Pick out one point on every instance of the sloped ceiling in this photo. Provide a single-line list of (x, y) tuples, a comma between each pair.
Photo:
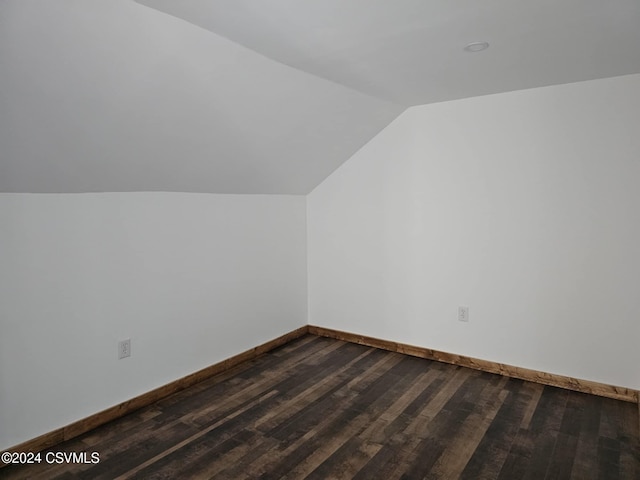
[(411, 51), (269, 96)]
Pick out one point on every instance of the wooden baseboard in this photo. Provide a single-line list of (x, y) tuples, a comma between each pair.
[(82, 426), (585, 386)]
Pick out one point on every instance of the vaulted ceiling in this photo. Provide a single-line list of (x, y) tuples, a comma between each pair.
[(269, 96)]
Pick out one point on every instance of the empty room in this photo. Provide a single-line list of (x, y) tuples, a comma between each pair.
[(323, 239)]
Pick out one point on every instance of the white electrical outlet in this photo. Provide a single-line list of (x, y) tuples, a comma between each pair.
[(124, 348), (463, 314)]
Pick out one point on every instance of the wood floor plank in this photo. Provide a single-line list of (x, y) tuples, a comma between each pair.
[(380, 398), (299, 398), (584, 466), (532, 448), (321, 408), (561, 461), (489, 456), (223, 428), (350, 420), (460, 448), (415, 449)]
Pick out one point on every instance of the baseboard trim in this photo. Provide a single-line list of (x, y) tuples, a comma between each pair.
[(84, 425), (584, 386)]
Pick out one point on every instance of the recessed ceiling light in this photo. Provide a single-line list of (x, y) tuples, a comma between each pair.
[(476, 47)]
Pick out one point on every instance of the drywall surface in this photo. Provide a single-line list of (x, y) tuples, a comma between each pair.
[(190, 278), (131, 99), (522, 206)]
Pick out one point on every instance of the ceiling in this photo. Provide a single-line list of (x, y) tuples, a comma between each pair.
[(269, 96), (411, 51)]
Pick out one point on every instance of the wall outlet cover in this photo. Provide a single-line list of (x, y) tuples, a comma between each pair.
[(124, 348)]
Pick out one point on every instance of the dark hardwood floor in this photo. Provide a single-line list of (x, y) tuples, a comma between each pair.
[(324, 409)]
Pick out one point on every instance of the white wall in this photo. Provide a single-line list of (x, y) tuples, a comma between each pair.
[(522, 206), (191, 279)]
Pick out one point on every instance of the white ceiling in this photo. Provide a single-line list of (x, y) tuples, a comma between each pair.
[(411, 51), (269, 96)]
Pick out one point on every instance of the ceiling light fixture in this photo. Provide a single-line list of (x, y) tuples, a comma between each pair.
[(476, 47)]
